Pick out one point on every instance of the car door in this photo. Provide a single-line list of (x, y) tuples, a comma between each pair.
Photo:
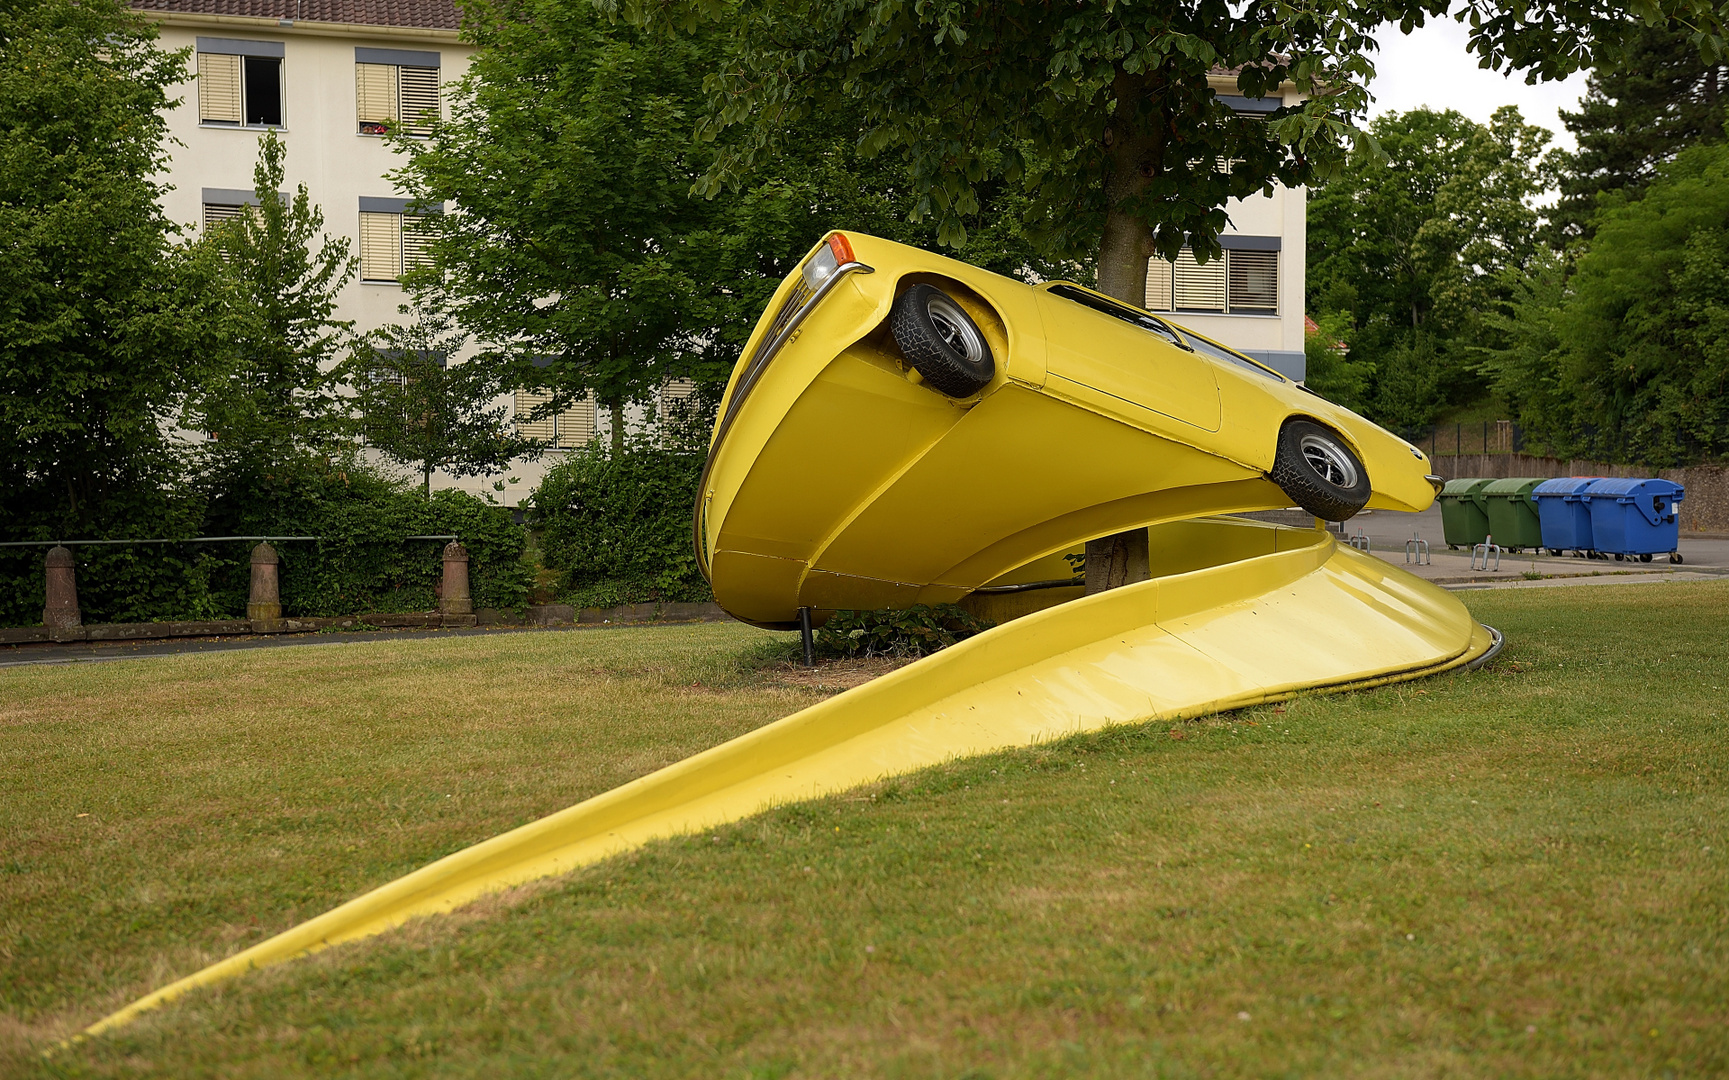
[(1132, 361)]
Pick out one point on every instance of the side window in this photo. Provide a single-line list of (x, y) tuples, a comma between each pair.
[(396, 87), (240, 82), (393, 238)]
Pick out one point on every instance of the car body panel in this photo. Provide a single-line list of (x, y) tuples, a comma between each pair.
[(837, 480)]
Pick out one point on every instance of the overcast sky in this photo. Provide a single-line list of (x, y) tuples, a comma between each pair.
[(1431, 67)]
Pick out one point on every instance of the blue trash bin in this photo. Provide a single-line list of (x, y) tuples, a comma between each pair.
[(1562, 516), (1635, 518)]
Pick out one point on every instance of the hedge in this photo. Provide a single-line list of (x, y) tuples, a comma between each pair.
[(359, 564), (616, 527)]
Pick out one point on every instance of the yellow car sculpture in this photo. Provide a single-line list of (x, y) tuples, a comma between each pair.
[(904, 428)]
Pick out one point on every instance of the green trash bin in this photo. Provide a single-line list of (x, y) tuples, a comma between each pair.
[(1464, 512), (1513, 520)]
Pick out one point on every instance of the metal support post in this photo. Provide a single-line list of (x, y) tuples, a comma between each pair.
[(809, 638), (1417, 550)]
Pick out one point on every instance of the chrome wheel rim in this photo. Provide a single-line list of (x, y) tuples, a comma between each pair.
[(1329, 460), (956, 330)]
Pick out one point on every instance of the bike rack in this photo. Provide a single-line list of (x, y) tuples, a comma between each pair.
[(1417, 549), (1360, 541), (1485, 548)]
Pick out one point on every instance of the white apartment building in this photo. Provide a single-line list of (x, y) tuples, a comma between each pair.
[(326, 75)]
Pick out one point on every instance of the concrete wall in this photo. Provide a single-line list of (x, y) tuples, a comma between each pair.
[(1704, 509)]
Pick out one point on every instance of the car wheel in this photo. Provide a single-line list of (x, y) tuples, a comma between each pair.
[(941, 342), (1319, 472)]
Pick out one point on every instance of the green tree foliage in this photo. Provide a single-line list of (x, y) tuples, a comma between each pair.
[(1630, 360), (1413, 246), (420, 410), (270, 397), (101, 316), (1332, 370), (902, 633), (616, 526), (570, 151), (1650, 99), (1102, 112)]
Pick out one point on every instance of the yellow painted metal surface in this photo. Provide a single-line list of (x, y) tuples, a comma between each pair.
[(836, 481), (1264, 612)]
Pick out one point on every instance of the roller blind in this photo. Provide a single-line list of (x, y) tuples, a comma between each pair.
[(419, 100), (375, 96), (215, 214), (1254, 281), (380, 247), (526, 402), (1198, 286), (414, 239), (575, 425), (218, 88), (1158, 284)]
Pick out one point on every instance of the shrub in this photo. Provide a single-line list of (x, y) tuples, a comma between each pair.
[(916, 631), (616, 525)]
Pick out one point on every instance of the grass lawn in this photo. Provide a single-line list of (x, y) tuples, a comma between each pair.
[(1513, 872)]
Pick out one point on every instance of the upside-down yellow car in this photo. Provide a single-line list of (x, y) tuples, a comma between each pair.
[(904, 428)]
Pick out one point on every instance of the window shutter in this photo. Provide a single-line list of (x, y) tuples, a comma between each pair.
[(375, 96), (414, 241), (1158, 284), (526, 402), (218, 88), (576, 425), (215, 214), (1198, 286), (380, 247), (1254, 281), (419, 98)]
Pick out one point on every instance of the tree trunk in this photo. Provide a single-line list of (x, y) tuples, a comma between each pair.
[(617, 408), (426, 477), (1124, 248)]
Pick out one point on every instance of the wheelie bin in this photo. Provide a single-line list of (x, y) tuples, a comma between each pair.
[(1464, 512), (1512, 515), (1565, 518), (1636, 518)]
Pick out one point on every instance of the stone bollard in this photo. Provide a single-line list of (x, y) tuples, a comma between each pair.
[(60, 614), (264, 607), (454, 601)]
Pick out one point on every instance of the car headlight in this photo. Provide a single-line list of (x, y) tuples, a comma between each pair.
[(828, 259)]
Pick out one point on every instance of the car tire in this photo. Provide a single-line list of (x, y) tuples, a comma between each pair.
[(941, 342), (1319, 473)]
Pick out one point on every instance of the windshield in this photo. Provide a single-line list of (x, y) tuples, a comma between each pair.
[(1219, 352)]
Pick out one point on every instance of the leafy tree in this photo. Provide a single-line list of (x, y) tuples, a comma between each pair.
[(100, 315), (1412, 246), (418, 409), (1631, 360), (1650, 99), (1103, 112), (1332, 371), (569, 150), (270, 400)]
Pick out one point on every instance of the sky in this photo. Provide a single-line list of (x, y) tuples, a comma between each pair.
[(1432, 68)]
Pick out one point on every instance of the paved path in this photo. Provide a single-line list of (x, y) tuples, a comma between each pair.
[(1388, 530)]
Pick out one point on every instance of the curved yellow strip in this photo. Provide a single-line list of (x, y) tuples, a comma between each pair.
[(1302, 614)]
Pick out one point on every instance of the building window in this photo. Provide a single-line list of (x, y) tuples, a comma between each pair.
[(239, 82), (230, 204), (393, 237), (571, 429), (1244, 281), (396, 87)]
